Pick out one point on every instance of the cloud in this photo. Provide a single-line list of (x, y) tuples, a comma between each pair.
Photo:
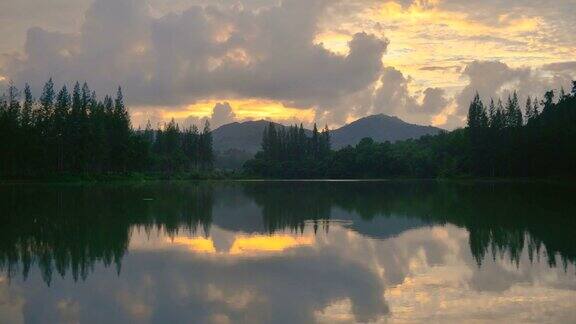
[(434, 101), (441, 68), (394, 97), (222, 114), (202, 52), (493, 79), (569, 66), (319, 55)]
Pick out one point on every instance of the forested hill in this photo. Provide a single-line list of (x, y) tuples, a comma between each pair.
[(243, 136), (74, 132), (247, 136), (503, 138), (380, 128)]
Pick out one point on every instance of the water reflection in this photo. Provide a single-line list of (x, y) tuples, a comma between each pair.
[(287, 252)]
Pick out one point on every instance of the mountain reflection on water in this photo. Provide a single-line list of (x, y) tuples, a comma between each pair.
[(287, 252)]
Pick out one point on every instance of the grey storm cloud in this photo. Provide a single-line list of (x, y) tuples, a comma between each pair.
[(202, 52)]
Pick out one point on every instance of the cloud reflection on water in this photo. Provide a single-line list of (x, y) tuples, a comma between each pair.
[(255, 263)]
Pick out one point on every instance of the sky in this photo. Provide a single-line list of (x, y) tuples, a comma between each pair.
[(291, 61)]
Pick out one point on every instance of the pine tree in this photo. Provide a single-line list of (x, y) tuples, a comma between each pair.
[(61, 111), (99, 135), (84, 128), (27, 107), (27, 131), (86, 97), (190, 146), (172, 146), (535, 108), (548, 101), (46, 107), (9, 129), (207, 154), (528, 110), (325, 142), (301, 141), (491, 113), (477, 117), (314, 142), (269, 142), (517, 118), (120, 133), (513, 112), (13, 105), (120, 111), (5, 137), (73, 131)]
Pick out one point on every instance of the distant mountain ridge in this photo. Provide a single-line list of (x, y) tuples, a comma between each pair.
[(247, 136), (243, 136), (380, 128)]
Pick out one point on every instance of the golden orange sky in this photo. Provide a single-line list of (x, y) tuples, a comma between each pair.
[(429, 44)]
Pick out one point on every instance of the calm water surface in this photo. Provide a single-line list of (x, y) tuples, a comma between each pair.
[(287, 252)]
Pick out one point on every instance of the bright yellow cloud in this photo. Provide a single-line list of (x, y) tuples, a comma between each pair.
[(334, 41), (263, 243), (252, 109), (245, 244), (196, 244)]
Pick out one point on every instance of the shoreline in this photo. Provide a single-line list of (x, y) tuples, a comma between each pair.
[(238, 177)]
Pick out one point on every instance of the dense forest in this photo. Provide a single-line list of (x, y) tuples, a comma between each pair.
[(75, 133), (288, 152), (500, 140)]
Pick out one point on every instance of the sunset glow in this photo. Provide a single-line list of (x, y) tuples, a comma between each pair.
[(245, 244), (266, 244), (304, 69)]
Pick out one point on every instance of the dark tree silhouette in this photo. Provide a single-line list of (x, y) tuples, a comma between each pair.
[(497, 142), (65, 133)]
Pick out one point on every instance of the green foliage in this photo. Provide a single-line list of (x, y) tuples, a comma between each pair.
[(495, 143), (65, 134), (288, 152)]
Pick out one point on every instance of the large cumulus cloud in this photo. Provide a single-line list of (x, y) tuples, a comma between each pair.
[(168, 54), (212, 51), (394, 97)]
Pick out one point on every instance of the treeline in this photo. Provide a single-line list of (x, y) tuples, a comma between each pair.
[(539, 141), (176, 150), (500, 140), (288, 151), (73, 132)]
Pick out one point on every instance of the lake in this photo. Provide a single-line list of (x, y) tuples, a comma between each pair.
[(288, 252)]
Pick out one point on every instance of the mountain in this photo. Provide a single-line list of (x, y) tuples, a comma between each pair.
[(245, 136), (239, 141), (242, 136), (381, 128)]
